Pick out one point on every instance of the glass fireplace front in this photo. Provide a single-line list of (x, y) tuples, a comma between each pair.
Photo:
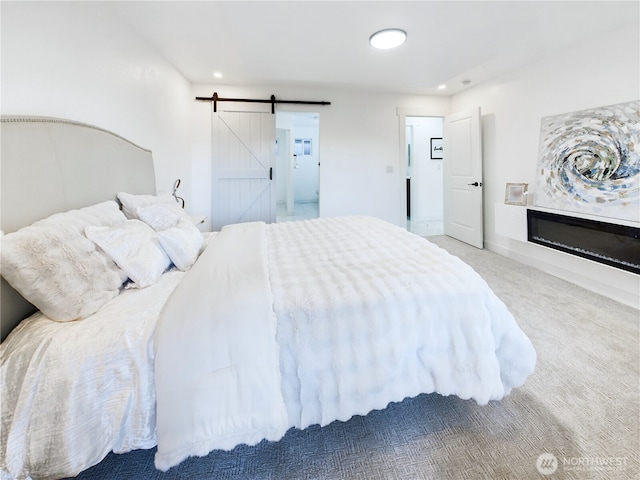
[(608, 243)]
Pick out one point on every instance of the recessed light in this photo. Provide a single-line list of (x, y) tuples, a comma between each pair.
[(442, 87), (388, 38), (217, 74)]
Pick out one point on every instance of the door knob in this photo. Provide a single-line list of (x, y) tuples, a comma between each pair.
[(475, 184)]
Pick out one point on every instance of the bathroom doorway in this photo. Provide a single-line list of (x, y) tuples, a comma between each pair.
[(297, 166)]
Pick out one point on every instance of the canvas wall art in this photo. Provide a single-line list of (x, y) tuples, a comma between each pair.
[(589, 162)]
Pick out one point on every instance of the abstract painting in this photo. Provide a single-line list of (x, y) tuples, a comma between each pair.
[(589, 162)]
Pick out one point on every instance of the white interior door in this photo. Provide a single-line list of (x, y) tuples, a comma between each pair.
[(243, 146), (463, 177)]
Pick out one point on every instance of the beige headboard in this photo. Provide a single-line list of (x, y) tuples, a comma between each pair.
[(51, 165)]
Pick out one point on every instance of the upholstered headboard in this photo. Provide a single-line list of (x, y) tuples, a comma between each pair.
[(51, 165)]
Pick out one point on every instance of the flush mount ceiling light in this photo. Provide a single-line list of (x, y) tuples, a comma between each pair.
[(388, 38)]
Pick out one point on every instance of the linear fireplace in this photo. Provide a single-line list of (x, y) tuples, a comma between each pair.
[(608, 243)]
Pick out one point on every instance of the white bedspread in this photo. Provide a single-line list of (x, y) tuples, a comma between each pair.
[(74, 391), (366, 314)]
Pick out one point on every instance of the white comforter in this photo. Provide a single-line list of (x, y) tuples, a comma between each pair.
[(356, 313), (74, 391)]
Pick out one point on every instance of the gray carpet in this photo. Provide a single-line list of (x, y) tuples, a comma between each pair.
[(578, 416)]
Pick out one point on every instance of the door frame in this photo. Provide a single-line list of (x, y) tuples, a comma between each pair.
[(403, 113), (284, 168)]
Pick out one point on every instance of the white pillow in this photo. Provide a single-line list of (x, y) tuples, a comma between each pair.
[(177, 234), (55, 267), (131, 203), (183, 243), (162, 216), (135, 249)]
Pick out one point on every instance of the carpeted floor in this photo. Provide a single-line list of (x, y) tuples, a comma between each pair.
[(578, 416)]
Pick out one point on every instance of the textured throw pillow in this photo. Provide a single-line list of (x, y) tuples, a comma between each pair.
[(177, 234), (183, 243), (55, 267), (135, 249), (131, 203)]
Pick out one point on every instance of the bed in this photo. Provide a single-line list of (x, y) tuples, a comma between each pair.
[(256, 329)]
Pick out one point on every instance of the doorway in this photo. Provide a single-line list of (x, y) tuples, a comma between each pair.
[(297, 166), (461, 171), (425, 181)]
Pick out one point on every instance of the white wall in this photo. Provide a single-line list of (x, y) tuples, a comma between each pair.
[(79, 61), (73, 60), (360, 142), (604, 70)]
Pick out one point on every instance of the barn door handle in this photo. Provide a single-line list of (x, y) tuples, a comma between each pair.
[(475, 184), (270, 173)]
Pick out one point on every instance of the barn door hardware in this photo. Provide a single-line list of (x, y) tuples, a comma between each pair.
[(215, 99)]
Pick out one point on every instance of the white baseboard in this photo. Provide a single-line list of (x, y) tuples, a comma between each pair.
[(625, 289)]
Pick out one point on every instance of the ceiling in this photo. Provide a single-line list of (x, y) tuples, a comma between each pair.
[(325, 43)]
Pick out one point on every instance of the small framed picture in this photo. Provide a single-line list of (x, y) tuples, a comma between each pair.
[(436, 149), (516, 194)]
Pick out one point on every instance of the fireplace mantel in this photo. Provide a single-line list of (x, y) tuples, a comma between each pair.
[(512, 222)]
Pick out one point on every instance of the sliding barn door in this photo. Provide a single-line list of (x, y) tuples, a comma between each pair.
[(243, 146)]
